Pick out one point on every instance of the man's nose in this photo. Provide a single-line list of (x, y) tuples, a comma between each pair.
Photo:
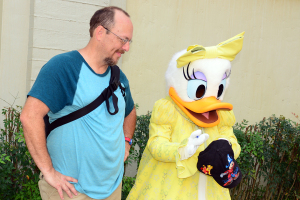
[(126, 46)]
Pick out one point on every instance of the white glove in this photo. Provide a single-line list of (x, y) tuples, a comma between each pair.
[(194, 141)]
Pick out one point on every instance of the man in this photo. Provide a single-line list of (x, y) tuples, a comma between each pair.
[(84, 158)]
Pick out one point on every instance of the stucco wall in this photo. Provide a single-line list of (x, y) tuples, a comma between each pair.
[(60, 26), (14, 50), (265, 74), (33, 31)]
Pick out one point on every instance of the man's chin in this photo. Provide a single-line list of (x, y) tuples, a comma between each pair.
[(110, 61)]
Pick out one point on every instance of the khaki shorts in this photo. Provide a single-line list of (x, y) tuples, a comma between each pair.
[(50, 193)]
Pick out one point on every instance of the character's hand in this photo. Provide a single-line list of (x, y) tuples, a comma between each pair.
[(60, 182), (194, 141), (127, 149), (221, 175)]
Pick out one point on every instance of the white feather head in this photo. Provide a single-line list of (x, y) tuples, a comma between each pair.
[(213, 69)]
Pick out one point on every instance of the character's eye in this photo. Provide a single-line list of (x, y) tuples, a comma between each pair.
[(196, 89), (221, 88), (228, 74)]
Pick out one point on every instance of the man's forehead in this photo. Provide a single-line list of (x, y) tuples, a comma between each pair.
[(122, 23), (120, 17)]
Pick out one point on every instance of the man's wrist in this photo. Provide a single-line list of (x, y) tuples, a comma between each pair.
[(128, 140)]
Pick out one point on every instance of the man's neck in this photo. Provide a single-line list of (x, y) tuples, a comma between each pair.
[(95, 61)]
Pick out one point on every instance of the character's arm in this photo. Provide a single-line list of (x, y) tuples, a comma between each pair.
[(160, 143), (226, 131), (221, 175)]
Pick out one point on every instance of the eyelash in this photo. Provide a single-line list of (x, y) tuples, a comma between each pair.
[(227, 76), (189, 78), (187, 73)]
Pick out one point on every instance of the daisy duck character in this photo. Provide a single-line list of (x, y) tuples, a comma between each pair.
[(184, 123)]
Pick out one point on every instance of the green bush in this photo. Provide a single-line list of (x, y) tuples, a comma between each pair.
[(269, 160), (127, 184), (18, 172), (141, 136)]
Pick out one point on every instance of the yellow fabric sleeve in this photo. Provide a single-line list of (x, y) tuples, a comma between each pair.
[(226, 130), (164, 142), (160, 144)]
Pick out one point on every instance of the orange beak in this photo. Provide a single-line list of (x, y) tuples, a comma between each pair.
[(202, 112)]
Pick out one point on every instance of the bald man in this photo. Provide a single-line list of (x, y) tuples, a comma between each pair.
[(83, 159)]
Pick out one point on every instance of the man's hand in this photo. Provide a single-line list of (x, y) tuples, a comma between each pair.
[(61, 182), (127, 149)]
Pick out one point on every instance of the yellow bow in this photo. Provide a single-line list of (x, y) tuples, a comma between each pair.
[(226, 50)]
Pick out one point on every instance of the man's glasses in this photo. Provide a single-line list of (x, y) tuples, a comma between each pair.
[(124, 41)]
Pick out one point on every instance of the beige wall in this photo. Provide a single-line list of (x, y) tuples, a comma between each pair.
[(33, 31), (265, 75), (14, 39), (60, 26), (1, 5)]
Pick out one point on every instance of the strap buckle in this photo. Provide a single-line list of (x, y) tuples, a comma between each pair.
[(115, 83)]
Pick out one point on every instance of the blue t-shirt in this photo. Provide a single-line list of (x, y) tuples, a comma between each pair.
[(90, 149)]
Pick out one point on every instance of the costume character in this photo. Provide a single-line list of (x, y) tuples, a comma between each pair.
[(184, 123)]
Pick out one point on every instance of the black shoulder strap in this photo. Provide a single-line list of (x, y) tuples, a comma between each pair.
[(114, 83)]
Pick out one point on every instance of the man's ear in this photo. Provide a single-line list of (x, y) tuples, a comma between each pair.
[(99, 32)]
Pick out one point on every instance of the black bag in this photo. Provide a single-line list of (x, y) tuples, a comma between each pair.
[(114, 83)]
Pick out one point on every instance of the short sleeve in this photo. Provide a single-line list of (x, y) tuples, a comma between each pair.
[(128, 98), (56, 82)]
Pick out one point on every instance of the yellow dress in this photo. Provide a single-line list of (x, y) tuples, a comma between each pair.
[(161, 174)]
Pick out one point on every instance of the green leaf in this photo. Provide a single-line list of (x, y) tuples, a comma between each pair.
[(7, 158)]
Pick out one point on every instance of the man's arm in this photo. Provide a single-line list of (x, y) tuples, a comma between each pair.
[(128, 128), (34, 131)]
